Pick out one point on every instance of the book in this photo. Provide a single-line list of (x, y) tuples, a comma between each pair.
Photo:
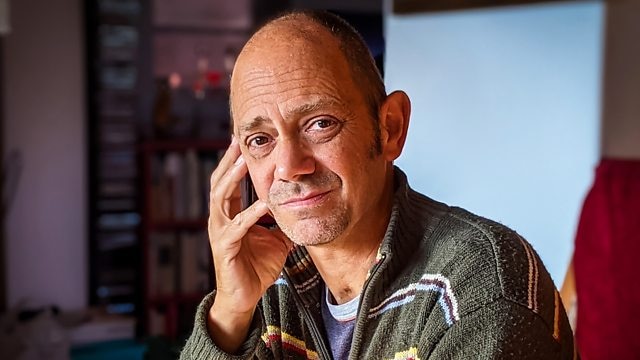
[(162, 264), (116, 240), (157, 322), (118, 221), (193, 206), (195, 260), (174, 171), (180, 185)]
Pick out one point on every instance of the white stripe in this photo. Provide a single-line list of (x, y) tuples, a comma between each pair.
[(445, 291), (305, 285), (300, 287), (392, 305), (309, 286)]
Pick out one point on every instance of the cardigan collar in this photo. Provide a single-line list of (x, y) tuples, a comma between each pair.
[(413, 218)]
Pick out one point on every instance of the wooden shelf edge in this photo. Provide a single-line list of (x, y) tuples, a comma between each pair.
[(184, 144), (176, 298)]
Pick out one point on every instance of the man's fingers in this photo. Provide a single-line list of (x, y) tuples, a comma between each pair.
[(231, 181), (229, 157), (223, 193)]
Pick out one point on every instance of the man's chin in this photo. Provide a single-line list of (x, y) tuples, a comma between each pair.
[(313, 231), (312, 242), (305, 232)]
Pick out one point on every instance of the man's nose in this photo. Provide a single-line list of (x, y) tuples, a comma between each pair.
[(293, 160)]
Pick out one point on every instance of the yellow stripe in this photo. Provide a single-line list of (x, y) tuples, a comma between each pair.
[(287, 338), (530, 283), (535, 284), (556, 317), (412, 353)]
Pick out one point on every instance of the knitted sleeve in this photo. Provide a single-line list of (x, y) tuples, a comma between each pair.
[(504, 330), (201, 346)]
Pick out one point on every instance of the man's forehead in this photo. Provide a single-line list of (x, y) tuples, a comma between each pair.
[(268, 64), (276, 55), (296, 68)]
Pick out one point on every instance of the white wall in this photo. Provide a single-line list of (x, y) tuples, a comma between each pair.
[(45, 120), (506, 109)]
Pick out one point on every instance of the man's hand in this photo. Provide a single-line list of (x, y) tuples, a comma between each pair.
[(247, 257)]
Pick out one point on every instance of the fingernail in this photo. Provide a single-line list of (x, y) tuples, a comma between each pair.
[(233, 139), (239, 161)]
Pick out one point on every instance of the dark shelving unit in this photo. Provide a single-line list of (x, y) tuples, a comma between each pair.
[(157, 106), (115, 57)]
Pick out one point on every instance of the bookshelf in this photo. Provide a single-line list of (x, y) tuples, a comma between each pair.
[(177, 259), (115, 53), (152, 142)]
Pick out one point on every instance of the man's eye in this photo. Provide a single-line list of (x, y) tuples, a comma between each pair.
[(258, 141), (321, 124), (323, 129)]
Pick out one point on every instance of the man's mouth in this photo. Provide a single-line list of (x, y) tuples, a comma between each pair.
[(309, 199)]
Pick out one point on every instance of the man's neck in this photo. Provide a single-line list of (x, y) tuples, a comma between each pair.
[(344, 269), (345, 262)]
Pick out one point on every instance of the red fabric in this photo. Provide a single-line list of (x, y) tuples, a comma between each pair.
[(607, 264)]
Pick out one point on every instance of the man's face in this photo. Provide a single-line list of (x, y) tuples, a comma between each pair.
[(307, 136)]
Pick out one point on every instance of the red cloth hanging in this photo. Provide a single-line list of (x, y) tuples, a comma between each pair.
[(607, 264)]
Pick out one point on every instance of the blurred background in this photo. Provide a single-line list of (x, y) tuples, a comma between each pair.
[(115, 112)]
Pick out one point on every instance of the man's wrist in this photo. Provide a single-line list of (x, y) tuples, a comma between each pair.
[(227, 327)]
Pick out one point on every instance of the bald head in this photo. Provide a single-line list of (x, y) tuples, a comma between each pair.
[(324, 37)]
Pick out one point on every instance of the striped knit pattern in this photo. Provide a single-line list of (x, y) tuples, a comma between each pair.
[(411, 354), (427, 283), (291, 343), (532, 288), (447, 285)]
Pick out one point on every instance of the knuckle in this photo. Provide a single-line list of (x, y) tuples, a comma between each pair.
[(215, 196), (237, 221), (215, 174)]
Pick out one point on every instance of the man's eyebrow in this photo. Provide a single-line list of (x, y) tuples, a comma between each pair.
[(254, 124), (311, 107)]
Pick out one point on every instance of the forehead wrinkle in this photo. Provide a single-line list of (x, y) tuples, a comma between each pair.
[(312, 104), (306, 87), (282, 78), (271, 72), (253, 124)]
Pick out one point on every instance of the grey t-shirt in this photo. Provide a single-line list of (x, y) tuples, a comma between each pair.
[(339, 321)]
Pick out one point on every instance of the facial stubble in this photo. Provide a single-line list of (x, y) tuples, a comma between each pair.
[(310, 227)]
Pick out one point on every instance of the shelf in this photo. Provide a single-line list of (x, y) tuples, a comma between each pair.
[(209, 30), (185, 144), (176, 225), (176, 298)]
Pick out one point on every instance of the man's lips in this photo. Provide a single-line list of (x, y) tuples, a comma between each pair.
[(306, 200)]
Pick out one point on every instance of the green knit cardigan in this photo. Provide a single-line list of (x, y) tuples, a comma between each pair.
[(447, 285)]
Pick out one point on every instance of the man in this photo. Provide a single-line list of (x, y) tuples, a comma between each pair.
[(360, 266)]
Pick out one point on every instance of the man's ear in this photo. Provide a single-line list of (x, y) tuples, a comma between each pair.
[(394, 121)]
